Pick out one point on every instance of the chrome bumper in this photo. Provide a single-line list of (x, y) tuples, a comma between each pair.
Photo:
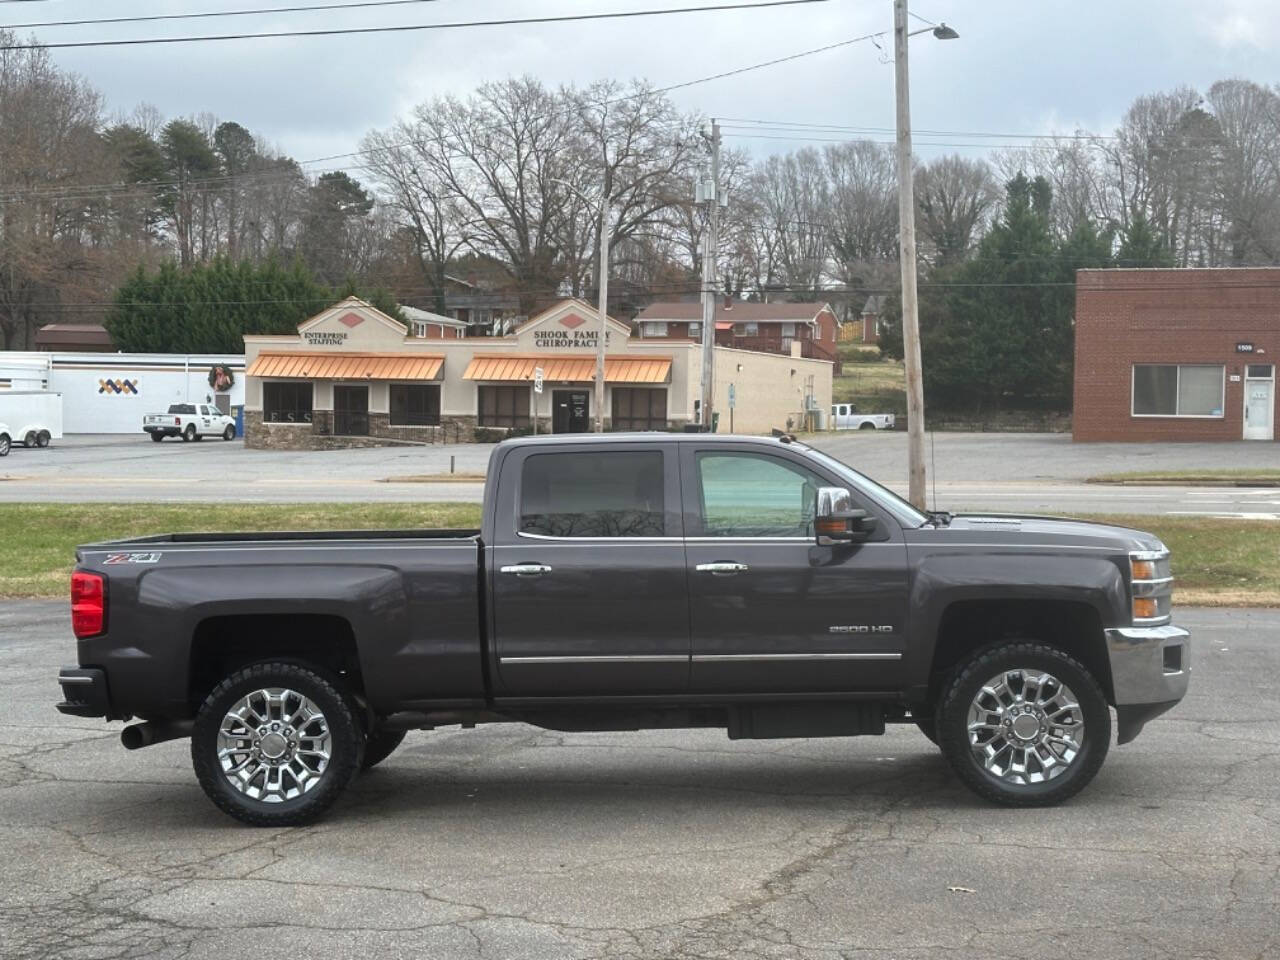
[(1150, 668)]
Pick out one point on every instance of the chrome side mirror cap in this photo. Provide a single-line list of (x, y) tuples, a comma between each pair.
[(837, 520)]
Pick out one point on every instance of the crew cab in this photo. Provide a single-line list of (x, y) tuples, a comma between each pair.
[(845, 416), (634, 581), (190, 421)]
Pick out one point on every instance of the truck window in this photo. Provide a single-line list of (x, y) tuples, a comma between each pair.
[(746, 495), (593, 495), (187, 408)]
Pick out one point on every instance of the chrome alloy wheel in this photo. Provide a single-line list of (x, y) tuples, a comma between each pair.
[(1025, 726), (274, 745)]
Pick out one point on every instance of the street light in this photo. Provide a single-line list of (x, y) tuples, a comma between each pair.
[(606, 228), (907, 252)]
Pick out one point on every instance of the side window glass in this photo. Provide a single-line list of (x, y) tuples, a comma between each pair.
[(609, 494), (745, 495)]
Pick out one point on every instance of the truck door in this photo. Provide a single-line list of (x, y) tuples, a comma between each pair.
[(770, 610), (587, 573)]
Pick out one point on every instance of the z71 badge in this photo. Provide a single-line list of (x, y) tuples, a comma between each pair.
[(132, 558)]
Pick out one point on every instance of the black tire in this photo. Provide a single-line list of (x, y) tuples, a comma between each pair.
[(43, 438), (380, 745), (5, 444), (29, 440), (867, 426), (229, 433), (953, 723), (157, 437), (346, 752), (189, 434)]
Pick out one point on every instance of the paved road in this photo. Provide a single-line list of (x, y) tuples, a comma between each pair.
[(1006, 472), (508, 842)]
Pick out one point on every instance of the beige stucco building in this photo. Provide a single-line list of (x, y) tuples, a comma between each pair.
[(354, 375)]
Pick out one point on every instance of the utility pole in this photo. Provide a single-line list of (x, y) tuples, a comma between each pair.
[(606, 231), (711, 245), (907, 254)]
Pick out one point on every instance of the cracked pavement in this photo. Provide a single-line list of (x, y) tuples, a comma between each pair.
[(509, 842)]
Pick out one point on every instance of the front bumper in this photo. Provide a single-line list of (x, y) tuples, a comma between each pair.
[(1150, 669), (84, 691)]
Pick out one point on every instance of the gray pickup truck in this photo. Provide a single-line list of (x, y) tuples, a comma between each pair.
[(625, 582)]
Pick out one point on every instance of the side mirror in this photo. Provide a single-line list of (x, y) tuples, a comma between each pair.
[(836, 520)]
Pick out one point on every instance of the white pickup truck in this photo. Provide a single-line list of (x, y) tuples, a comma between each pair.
[(845, 416), (190, 421)]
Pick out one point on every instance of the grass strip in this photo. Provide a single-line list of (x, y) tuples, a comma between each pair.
[(1218, 562), (1232, 477)]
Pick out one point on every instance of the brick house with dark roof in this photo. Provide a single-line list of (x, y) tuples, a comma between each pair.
[(810, 328)]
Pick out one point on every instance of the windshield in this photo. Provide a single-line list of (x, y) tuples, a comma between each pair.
[(901, 509)]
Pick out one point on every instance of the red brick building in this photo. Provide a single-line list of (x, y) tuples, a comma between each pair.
[(1176, 354), (766, 327)]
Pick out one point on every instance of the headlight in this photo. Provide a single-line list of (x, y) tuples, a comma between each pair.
[(1151, 586)]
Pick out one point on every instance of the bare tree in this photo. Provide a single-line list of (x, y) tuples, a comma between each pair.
[(954, 198), (1248, 189)]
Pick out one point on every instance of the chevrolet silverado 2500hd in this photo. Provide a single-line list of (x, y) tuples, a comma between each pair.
[(623, 582)]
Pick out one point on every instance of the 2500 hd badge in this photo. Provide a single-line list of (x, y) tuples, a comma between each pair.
[(628, 581)]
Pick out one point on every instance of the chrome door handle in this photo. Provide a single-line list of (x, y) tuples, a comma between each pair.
[(526, 569), (721, 569)]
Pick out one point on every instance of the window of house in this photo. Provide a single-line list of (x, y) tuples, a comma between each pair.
[(287, 402), (655, 328), (751, 329), (1177, 390), (788, 330), (504, 406), (748, 495), (415, 405), (613, 494), (638, 408), (695, 330)]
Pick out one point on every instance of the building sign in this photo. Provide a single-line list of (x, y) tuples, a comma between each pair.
[(118, 387), (1244, 348), (321, 338), (566, 339)]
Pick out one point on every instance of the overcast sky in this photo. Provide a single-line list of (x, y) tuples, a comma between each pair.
[(1019, 67)]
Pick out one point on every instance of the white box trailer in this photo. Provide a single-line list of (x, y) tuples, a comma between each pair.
[(31, 417)]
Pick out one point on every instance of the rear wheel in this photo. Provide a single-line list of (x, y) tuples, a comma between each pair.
[(43, 438), (380, 745), (1024, 724), (275, 744), (190, 432), (157, 437), (30, 439), (867, 426), (5, 443)]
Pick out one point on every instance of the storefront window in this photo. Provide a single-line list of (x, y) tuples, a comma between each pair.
[(286, 402), (415, 405), (639, 409), (504, 406), (1177, 390)]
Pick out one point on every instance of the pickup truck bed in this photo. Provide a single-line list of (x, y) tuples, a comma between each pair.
[(628, 582)]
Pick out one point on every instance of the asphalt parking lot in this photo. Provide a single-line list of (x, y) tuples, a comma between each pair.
[(1027, 473), (509, 842)]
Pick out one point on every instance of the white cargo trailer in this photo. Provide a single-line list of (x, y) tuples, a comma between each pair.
[(32, 417)]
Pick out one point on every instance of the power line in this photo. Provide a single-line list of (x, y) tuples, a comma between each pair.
[(418, 27), (307, 8)]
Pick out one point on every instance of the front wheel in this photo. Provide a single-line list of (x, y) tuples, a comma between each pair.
[(275, 744), (229, 433), (5, 443), (1024, 725), (867, 426)]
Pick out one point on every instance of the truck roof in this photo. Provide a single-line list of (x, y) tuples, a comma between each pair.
[(645, 437)]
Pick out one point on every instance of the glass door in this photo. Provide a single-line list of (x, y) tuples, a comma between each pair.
[(351, 411)]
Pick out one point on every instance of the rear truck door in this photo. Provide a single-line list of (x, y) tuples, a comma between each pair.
[(770, 610), (587, 572)]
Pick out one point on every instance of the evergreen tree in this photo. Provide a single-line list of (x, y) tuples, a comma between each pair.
[(1141, 245)]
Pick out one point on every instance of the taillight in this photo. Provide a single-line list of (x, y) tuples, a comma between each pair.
[(88, 604), (177, 421)]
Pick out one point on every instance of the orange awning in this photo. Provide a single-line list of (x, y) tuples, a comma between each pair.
[(346, 366), (577, 369)]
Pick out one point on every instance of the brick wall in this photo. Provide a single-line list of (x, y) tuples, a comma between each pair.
[(1125, 317), (318, 435)]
